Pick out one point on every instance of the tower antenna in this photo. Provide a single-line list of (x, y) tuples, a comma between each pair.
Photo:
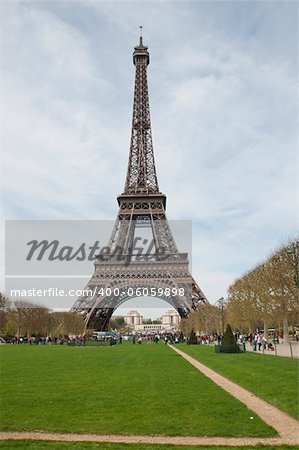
[(140, 36)]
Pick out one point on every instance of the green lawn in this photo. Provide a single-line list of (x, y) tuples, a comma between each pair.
[(46, 445), (273, 378), (123, 389)]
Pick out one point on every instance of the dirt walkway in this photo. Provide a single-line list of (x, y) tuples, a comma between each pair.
[(136, 439), (286, 426)]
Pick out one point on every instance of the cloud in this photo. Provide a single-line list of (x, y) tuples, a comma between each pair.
[(50, 90)]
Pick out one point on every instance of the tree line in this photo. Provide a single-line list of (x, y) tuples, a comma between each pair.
[(206, 320), (264, 297), (25, 318), (268, 293)]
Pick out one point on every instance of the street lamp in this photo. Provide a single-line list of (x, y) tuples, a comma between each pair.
[(221, 302)]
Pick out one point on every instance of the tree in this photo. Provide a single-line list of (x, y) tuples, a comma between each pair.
[(157, 321), (205, 320), (147, 321), (189, 323), (3, 313), (26, 318), (267, 293), (117, 323), (211, 318), (284, 289), (66, 323)]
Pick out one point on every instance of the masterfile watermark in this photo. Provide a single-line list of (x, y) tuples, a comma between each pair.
[(50, 292), (140, 250), (99, 292)]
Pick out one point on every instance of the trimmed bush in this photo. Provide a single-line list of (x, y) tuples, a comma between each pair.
[(228, 344), (192, 338)]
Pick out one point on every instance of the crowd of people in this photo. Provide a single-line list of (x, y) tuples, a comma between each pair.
[(43, 340), (257, 340)]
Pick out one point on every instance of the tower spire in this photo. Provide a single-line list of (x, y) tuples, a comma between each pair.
[(140, 36), (141, 174)]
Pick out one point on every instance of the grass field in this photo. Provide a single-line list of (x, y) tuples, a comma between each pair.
[(124, 389), (46, 445), (273, 378), (41, 445)]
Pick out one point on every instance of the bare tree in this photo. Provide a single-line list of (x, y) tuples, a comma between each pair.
[(268, 293), (3, 312), (66, 323), (27, 318)]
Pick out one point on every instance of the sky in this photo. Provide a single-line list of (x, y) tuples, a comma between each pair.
[(223, 86)]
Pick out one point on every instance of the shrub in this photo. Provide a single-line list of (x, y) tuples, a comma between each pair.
[(192, 338), (228, 344)]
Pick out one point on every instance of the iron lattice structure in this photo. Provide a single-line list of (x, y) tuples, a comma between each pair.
[(140, 205)]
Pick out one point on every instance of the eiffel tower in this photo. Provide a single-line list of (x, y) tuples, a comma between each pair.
[(122, 276)]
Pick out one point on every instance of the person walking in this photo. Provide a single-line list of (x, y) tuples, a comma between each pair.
[(259, 341)]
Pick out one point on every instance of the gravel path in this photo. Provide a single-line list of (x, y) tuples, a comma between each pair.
[(136, 439), (286, 426)]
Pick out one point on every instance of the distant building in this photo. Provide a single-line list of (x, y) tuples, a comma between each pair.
[(171, 317), (151, 328), (170, 322), (133, 318)]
